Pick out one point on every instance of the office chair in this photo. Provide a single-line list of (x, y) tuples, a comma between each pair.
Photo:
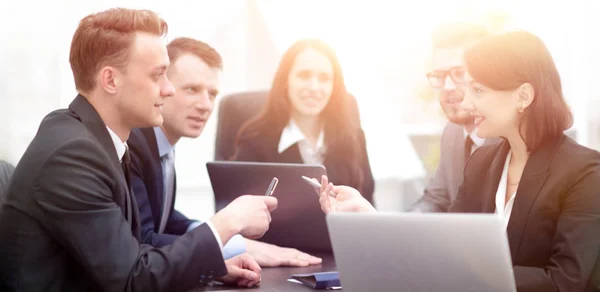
[(238, 108)]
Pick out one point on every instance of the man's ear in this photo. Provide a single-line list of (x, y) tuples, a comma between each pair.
[(110, 79)]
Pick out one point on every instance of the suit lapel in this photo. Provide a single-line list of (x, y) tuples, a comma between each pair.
[(152, 143), (493, 178), (533, 178), (291, 155), (174, 190), (458, 155), (156, 165), (136, 225), (94, 123), (90, 118)]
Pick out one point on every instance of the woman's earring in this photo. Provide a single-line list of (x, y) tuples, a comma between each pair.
[(520, 109)]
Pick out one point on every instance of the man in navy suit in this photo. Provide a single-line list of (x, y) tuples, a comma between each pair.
[(194, 72)]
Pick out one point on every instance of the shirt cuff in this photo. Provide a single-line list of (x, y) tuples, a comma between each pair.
[(235, 246), (215, 233), (194, 225)]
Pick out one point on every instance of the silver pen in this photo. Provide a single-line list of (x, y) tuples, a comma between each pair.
[(272, 186), (318, 186)]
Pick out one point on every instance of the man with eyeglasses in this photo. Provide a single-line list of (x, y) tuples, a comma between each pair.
[(459, 137)]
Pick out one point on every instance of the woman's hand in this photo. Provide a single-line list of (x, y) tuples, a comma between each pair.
[(342, 199)]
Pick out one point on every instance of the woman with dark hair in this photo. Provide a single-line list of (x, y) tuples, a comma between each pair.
[(544, 186), (308, 119)]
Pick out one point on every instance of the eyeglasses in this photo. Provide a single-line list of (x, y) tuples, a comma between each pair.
[(437, 78)]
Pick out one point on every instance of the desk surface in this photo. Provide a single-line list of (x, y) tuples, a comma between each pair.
[(275, 279)]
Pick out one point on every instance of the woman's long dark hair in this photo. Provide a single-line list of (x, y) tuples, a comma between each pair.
[(344, 154)]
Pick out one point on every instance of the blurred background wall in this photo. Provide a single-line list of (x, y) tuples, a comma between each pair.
[(384, 48)]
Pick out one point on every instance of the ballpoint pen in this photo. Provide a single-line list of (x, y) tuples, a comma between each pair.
[(272, 187), (317, 185)]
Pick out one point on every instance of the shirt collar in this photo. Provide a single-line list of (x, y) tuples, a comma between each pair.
[(164, 147), (476, 139), (120, 146), (292, 134)]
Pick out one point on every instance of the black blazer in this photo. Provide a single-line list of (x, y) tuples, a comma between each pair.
[(148, 186), (554, 227), (63, 225), (264, 149), (6, 170)]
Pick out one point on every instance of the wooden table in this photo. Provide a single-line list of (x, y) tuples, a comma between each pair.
[(275, 279)]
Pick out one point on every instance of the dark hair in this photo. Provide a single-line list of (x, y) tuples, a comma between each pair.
[(457, 34), (202, 50), (507, 61), (341, 131)]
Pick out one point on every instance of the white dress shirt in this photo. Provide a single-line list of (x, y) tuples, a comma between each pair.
[(504, 210), (292, 134), (120, 146), (236, 245)]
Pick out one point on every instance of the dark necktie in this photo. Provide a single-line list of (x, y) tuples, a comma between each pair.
[(468, 147), (125, 165)]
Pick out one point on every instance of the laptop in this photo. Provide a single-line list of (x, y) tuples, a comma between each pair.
[(421, 252), (298, 221)]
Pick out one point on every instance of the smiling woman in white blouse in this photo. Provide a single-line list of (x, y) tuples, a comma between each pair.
[(544, 185), (309, 118)]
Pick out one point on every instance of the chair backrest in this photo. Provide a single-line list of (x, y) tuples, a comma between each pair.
[(238, 108)]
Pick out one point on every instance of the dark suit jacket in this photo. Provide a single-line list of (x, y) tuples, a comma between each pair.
[(441, 190), (63, 226), (6, 170), (554, 227), (148, 186), (264, 149)]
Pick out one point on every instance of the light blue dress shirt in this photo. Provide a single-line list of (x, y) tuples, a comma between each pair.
[(237, 244)]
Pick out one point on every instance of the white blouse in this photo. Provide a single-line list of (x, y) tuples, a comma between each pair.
[(292, 134), (503, 210)]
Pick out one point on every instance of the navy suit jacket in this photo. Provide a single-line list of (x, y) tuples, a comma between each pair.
[(148, 186)]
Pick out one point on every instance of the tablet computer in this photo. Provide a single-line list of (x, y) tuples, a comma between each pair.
[(298, 221)]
